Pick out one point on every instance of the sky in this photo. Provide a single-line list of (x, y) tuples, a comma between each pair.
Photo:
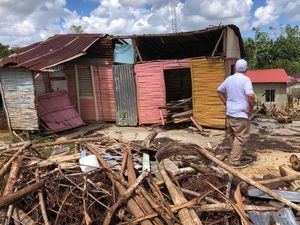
[(24, 22)]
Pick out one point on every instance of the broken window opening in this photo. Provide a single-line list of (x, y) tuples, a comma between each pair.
[(178, 84), (270, 95)]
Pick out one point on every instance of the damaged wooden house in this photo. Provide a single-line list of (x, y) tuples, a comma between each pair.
[(171, 67), (68, 80), (59, 83)]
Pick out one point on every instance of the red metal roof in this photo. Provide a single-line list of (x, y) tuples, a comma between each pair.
[(51, 52), (268, 76), (57, 113)]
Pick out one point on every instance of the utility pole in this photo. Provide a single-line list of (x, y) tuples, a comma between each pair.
[(174, 14)]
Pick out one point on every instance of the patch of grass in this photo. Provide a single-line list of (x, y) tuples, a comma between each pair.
[(47, 151)]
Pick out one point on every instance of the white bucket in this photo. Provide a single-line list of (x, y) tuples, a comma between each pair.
[(88, 163)]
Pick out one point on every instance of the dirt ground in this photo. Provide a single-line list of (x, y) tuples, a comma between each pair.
[(271, 143)]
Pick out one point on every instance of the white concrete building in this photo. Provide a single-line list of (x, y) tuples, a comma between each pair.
[(270, 87)]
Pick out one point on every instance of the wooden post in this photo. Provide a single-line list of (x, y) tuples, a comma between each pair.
[(94, 93), (5, 108), (187, 217)]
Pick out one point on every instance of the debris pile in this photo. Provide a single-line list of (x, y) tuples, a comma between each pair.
[(279, 115), (179, 111), (99, 180)]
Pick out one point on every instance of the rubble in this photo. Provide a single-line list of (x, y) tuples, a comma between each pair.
[(145, 182)]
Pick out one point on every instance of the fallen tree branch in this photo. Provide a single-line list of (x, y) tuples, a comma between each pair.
[(124, 197), (42, 201), (178, 198), (5, 168), (11, 198)]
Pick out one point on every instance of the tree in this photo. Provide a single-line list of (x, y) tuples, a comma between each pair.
[(5, 50), (76, 29), (280, 51)]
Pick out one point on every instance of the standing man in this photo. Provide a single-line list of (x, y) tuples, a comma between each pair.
[(236, 92)]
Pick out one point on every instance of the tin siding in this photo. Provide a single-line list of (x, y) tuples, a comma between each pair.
[(151, 93), (19, 96), (125, 93), (104, 89)]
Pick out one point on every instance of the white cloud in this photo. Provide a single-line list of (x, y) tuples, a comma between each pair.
[(198, 14), (269, 14), (25, 22)]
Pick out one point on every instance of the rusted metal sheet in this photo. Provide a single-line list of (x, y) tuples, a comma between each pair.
[(207, 75), (19, 97), (284, 216), (53, 51), (125, 92), (104, 92), (151, 93), (57, 113)]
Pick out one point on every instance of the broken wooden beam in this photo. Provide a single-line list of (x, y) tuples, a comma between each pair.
[(6, 166), (11, 198), (178, 198)]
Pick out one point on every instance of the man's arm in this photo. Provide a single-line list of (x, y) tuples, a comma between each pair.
[(251, 102), (222, 96)]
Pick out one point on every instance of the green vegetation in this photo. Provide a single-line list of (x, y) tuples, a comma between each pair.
[(5, 50), (266, 51)]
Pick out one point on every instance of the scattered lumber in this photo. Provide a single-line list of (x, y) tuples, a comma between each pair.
[(179, 111), (183, 184), (264, 189)]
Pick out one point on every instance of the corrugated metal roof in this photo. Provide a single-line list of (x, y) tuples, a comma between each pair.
[(53, 51), (125, 92), (268, 76), (57, 112)]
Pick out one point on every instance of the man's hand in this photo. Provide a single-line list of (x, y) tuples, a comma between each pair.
[(249, 112), (251, 102), (222, 96)]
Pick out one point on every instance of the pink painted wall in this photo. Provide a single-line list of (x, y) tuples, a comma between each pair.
[(104, 88), (151, 92)]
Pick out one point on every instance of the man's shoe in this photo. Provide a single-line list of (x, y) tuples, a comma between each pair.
[(240, 165)]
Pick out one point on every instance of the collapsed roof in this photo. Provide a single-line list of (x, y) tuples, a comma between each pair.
[(225, 41), (185, 44), (52, 52)]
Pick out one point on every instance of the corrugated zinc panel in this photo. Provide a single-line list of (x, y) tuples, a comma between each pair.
[(104, 89), (125, 92), (151, 93), (57, 112), (207, 74), (19, 96)]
